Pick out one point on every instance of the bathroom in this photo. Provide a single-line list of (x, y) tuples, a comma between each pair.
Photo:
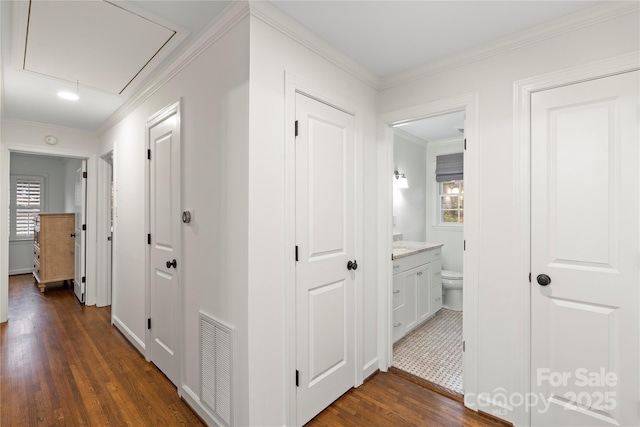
[(428, 236)]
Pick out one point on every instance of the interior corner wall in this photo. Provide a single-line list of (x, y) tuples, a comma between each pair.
[(273, 53), (214, 93), (450, 236), (409, 204), (493, 78)]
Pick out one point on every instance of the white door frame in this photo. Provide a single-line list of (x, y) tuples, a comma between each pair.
[(293, 85), (522, 195), (468, 103), (156, 118), (104, 258), (5, 151)]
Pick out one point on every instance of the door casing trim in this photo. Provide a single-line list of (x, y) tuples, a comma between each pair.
[(469, 104), (90, 269), (173, 108)]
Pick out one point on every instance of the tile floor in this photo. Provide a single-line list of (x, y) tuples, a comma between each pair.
[(434, 351)]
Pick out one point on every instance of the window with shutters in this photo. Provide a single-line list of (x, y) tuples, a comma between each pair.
[(450, 180), (26, 200)]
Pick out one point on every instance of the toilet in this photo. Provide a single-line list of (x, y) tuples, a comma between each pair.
[(452, 290)]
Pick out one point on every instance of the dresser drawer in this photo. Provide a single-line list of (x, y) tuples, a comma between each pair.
[(36, 252), (36, 269), (412, 261), (436, 298), (398, 323), (398, 291)]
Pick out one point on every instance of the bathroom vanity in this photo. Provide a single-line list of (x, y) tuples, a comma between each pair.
[(417, 285)]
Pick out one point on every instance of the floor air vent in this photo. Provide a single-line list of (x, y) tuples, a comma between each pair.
[(216, 355)]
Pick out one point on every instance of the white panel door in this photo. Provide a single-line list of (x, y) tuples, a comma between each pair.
[(164, 141), (79, 280), (584, 237), (325, 236)]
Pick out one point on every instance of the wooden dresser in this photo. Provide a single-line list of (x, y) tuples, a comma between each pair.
[(53, 248)]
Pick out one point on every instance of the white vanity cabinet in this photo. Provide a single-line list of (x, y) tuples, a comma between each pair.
[(417, 290)]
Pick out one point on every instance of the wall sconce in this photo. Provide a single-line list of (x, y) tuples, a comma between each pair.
[(402, 180)]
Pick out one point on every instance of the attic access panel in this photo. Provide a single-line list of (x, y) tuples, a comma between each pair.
[(97, 43)]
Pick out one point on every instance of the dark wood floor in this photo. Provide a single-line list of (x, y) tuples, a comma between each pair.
[(388, 399), (63, 364)]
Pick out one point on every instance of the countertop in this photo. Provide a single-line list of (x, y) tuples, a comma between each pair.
[(406, 248)]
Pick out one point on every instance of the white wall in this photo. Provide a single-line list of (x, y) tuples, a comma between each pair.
[(493, 78), (214, 93), (451, 236), (409, 204), (273, 53), (52, 169)]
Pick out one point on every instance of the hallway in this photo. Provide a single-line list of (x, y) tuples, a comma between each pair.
[(63, 364)]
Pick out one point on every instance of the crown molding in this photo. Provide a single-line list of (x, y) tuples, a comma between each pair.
[(409, 137), (282, 22), (48, 127), (228, 19), (587, 17)]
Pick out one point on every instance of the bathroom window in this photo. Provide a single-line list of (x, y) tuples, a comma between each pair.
[(26, 200), (451, 202)]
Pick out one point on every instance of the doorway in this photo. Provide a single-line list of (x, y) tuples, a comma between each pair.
[(105, 229), (428, 236), (468, 104), (42, 184)]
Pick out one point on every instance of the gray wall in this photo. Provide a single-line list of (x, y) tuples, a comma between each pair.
[(409, 204), (57, 192)]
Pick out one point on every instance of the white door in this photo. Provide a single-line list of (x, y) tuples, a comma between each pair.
[(164, 143), (79, 278), (325, 237), (584, 237)]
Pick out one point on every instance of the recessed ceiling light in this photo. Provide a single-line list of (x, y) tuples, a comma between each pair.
[(68, 96)]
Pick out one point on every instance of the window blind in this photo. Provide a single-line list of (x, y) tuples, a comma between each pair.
[(449, 167), (28, 200)]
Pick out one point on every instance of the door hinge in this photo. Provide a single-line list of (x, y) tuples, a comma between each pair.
[(296, 128), (84, 227), (464, 245), (464, 346), (297, 378), (84, 174), (149, 239), (148, 153), (149, 323), (296, 253), (391, 257), (465, 143), (84, 279), (529, 277)]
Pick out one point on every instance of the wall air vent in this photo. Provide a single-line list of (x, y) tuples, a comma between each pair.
[(216, 368)]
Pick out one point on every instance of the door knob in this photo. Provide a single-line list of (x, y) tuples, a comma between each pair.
[(73, 235), (352, 265), (173, 264), (543, 279)]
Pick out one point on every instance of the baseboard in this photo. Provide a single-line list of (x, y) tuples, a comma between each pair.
[(20, 271), (370, 368), (128, 334), (193, 401)]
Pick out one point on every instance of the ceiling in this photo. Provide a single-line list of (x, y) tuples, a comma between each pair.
[(437, 128), (67, 48)]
